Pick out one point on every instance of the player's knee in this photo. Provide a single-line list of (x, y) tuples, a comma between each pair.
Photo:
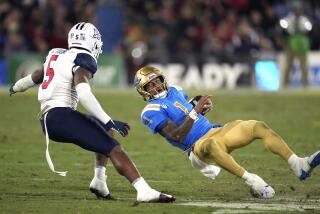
[(261, 124), (213, 150), (260, 128)]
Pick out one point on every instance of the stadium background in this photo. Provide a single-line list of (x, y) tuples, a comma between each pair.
[(200, 41), (199, 44)]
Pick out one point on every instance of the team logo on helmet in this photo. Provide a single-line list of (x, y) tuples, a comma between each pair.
[(96, 34)]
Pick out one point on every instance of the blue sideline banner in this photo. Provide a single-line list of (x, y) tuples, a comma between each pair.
[(313, 69), (3, 73)]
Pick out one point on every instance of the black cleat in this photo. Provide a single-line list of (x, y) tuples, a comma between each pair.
[(101, 196), (163, 198)]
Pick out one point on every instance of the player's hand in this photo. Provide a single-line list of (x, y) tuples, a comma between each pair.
[(203, 104), (11, 91), (207, 107), (120, 127)]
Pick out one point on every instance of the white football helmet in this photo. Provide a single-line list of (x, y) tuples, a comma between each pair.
[(86, 36)]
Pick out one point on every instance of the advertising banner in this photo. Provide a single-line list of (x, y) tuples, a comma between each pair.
[(313, 69), (206, 76), (111, 70)]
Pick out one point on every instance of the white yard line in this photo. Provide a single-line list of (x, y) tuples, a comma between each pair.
[(246, 207)]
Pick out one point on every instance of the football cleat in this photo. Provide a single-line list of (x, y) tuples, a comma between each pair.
[(259, 188), (304, 166), (155, 196), (100, 189)]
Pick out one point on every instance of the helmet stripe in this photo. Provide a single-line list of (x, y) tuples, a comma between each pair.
[(77, 25), (82, 25)]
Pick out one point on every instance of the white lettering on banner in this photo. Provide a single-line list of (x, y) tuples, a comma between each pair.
[(233, 73), (213, 75), (192, 78)]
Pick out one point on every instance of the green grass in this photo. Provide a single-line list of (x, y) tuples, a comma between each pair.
[(28, 186)]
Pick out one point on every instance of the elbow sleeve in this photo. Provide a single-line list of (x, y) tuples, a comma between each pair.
[(90, 103)]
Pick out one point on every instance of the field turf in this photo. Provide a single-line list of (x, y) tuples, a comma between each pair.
[(28, 186)]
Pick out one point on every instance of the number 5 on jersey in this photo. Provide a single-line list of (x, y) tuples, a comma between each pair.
[(49, 73)]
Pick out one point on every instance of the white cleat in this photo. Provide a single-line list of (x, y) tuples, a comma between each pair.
[(259, 188), (154, 196), (304, 166), (100, 189)]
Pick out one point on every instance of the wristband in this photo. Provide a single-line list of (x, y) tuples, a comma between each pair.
[(193, 114)]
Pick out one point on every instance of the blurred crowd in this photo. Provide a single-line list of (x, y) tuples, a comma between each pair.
[(212, 29), (39, 25)]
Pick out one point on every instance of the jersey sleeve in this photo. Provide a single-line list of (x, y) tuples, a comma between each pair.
[(154, 117), (86, 61)]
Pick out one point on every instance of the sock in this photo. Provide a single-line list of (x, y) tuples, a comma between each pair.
[(292, 160), (100, 172), (246, 175), (141, 185)]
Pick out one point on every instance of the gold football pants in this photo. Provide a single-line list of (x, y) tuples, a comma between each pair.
[(215, 146)]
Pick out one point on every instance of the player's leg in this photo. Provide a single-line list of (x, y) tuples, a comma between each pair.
[(242, 133), (98, 184), (304, 68), (66, 125), (288, 67), (211, 151), (127, 168)]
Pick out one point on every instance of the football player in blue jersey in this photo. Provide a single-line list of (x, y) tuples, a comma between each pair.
[(183, 124), (64, 81)]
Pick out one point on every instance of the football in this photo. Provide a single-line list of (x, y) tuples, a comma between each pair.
[(193, 101)]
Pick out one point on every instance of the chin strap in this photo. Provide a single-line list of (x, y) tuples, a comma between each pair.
[(160, 95)]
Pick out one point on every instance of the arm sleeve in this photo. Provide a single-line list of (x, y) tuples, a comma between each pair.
[(23, 84), (154, 120), (90, 103)]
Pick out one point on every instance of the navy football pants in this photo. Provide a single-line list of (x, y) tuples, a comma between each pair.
[(69, 126)]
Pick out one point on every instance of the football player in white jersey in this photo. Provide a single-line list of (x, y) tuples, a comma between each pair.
[(64, 81)]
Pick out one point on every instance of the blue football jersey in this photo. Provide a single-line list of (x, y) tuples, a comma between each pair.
[(175, 107)]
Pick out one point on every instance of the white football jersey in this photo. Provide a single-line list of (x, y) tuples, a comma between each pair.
[(57, 88)]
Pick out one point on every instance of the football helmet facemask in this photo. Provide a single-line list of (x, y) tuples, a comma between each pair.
[(144, 76), (86, 36)]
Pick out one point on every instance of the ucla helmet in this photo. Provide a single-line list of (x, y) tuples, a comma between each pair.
[(86, 36), (143, 77)]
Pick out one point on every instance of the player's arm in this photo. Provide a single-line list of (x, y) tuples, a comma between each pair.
[(27, 82), (91, 104), (177, 133)]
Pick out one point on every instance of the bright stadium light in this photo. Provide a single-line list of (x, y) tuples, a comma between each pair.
[(284, 23), (136, 52), (308, 26)]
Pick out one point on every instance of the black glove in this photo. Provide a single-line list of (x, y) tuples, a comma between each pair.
[(11, 91), (121, 127)]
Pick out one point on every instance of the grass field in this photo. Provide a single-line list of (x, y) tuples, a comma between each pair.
[(28, 186)]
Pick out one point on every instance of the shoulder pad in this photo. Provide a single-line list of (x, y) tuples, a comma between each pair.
[(86, 61), (176, 87)]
